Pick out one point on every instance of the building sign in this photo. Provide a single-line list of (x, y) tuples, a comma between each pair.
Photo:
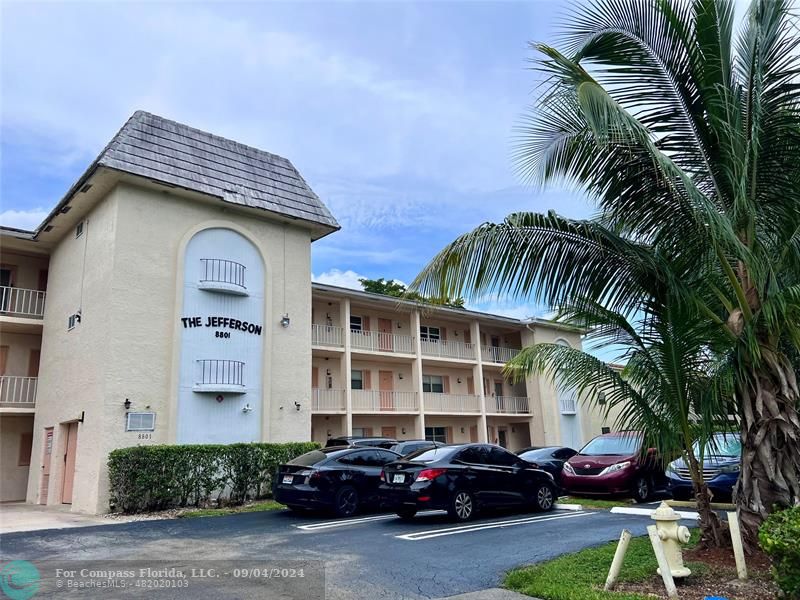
[(221, 323)]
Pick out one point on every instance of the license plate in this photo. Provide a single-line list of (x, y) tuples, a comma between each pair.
[(288, 478), (398, 478)]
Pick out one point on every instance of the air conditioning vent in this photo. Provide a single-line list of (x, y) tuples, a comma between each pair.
[(141, 421)]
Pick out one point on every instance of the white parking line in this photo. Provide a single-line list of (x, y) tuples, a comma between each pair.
[(434, 533), (357, 521)]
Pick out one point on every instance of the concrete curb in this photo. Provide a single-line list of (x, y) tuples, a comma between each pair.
[(567, 506), (622, 510)]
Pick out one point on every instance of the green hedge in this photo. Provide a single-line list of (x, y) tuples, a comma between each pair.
[(780, 538), (146, 478)]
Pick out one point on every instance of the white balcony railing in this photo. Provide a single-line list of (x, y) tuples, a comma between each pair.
[(21, 302), (325, 400), (378, 341), (19, 391), (448, 349), (452, 403), (327, 335), (498, 354), (512, 405), (384, 401), (569, 406)]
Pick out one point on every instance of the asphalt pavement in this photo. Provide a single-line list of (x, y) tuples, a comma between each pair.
[(370, 556)]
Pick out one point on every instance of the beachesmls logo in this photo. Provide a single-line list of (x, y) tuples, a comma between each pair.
[(19, 579)]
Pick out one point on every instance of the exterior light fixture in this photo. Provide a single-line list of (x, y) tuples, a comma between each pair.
[(462, 430), (403, 430), (327, 371), (601, 398), (458, 380), (399, 375), (285, 321), (297, 405), (127, 404), (247, 408)]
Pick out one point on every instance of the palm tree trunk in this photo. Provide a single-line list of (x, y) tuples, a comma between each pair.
[(712, 530), (770, 475)]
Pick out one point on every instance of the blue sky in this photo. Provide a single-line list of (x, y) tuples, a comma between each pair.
[(399, 115)]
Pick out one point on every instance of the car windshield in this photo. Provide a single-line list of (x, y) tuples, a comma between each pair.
[(430, 454), (722, 445), (316, 456), (538, 454), (612, 445)]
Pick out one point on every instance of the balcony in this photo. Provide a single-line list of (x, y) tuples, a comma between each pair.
[(218, 375), (378, 401), (376, 341), (327, 401), (508, 405), (452, 403), (327, 335), (498, 354), (18, 392), (447, 349), (19, 302), (220, 275)]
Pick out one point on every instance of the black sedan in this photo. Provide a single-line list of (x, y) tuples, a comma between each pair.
[(463, 479), (343, 480), (548, 458)]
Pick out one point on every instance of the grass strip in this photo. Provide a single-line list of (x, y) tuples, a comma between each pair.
[(581, 575), (219, 512)]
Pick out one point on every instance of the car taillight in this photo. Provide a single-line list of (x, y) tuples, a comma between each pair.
[(383, 475), (430, 474), (311, 475)]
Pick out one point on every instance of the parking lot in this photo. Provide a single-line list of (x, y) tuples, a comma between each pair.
[(369, 556)]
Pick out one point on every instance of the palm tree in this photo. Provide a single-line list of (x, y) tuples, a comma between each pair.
[(674, 387), (688, 137)]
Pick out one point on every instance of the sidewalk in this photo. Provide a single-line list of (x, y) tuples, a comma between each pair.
[(19, 516), (490, 594)]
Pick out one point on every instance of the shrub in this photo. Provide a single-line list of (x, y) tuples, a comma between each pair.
[(780, 538), (146, 478)]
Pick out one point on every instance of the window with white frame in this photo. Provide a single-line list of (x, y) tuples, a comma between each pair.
[(436, 434), (357, 379), (433, 383), (356, 323), (430, 334), (141, 421)]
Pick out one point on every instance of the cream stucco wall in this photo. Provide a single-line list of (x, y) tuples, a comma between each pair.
[(74, 364), (128, 341), (15, 476)]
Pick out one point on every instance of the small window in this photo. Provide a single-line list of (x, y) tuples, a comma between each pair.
[(359, 431), (73, 320), (356, 380), (433, 383), (606, 430), (145, 421), (601, 398), (356, 323), (436, 434), (79, 229), (430, 334)]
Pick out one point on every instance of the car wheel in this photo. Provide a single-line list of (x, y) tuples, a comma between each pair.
[(544, 497), (346, 502), (462, 506), (406, 513), (641, 489)]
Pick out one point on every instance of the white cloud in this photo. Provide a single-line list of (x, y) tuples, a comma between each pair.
[(23, 219), (347, 279)]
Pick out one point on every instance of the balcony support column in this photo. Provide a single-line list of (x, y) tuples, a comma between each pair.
[(347, 366), (477, 375), (416, 376)]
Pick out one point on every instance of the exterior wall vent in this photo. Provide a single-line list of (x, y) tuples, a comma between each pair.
[(141, 421)]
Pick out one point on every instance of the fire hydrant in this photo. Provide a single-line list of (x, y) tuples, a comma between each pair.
[(672, 536)]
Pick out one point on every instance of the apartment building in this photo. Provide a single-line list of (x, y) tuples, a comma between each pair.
[(386, 367), (167, 298)]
